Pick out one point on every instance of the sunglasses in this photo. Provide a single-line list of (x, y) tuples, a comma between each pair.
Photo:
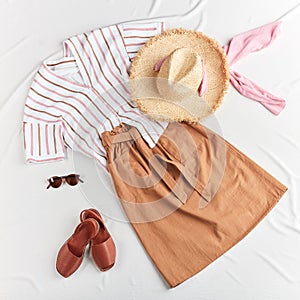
[(56, 181)]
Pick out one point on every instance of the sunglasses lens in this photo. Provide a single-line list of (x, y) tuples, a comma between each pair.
[(72, 179), (55, 182)]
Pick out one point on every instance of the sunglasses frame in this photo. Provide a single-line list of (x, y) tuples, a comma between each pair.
[(64, 179)]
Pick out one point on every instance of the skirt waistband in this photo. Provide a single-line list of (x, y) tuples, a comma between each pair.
[(119, 134)]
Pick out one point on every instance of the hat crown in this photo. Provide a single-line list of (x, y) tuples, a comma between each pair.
[(190, 89), (182, 67)]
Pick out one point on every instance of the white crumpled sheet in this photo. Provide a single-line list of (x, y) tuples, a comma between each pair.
[(35, 222)]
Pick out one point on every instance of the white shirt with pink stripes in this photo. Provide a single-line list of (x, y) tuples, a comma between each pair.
[(74, 99)]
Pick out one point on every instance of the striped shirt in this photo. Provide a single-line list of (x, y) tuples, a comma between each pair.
[(76, 98)]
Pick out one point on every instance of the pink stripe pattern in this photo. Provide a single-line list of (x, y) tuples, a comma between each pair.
[(41, 160), (73, 100), (31, 139), (47, 139), (135, 44), (139, 29), (117, 47), (103, 57)]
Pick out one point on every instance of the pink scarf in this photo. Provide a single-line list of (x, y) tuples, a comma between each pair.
[(240, 46)]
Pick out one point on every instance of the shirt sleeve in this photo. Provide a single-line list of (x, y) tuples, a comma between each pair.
[(137, 34), (43, 142)]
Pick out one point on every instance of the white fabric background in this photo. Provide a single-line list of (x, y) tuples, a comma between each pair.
[(35, 222)]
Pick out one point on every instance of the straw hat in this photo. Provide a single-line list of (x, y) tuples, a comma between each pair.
[(179, 75)]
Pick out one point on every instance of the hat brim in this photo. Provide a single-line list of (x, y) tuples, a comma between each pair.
[(161, 46)]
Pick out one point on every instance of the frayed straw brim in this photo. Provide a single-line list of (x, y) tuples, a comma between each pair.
[(161, 46)]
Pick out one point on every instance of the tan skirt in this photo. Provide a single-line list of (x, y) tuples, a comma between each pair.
[(190, 198)]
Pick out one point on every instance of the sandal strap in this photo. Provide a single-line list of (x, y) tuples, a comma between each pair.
[(94, 214), (104, 254), (89, 213)]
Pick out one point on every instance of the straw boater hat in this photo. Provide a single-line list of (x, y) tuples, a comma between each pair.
[(179, 75)]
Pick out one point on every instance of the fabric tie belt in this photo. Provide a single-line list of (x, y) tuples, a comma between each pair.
[(157, 163)]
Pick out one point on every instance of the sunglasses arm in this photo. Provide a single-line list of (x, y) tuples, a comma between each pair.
[(49, 185)]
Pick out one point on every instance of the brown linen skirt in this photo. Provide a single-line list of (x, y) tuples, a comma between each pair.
[(190, 198)]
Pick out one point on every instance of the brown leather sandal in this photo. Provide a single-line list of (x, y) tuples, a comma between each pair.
[(103, 248), (71, 254)]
